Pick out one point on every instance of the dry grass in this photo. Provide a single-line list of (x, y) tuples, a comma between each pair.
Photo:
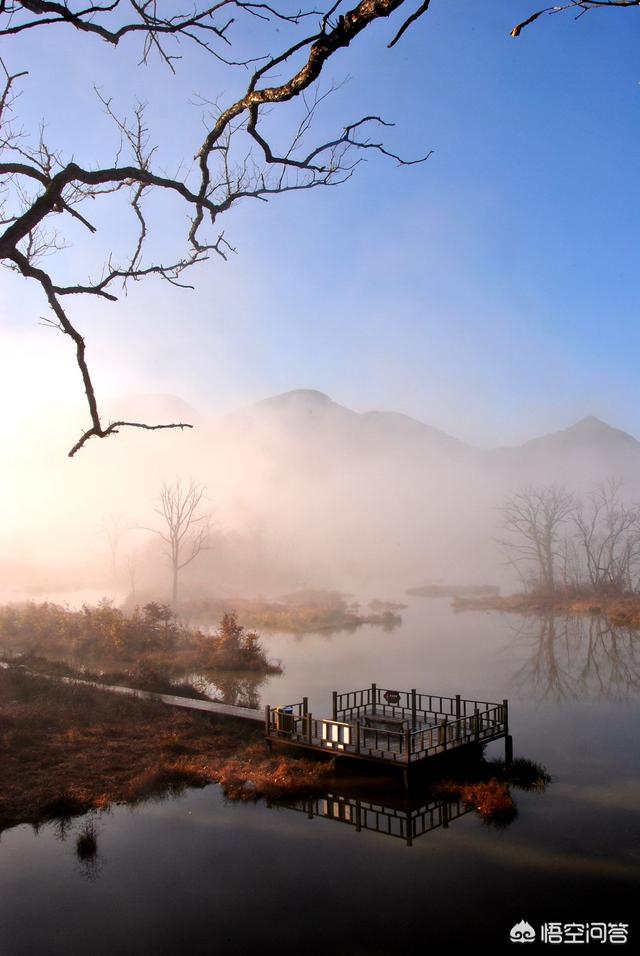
[(492, 800), (621, 611), (490, 792), (304, 612), (252, 776), (148, 639), (66, 749)]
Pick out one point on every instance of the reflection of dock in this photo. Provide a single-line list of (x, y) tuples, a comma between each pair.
[(390, 726), (405, 823)]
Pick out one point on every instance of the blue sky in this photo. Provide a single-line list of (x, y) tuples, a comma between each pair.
[(492, 292)]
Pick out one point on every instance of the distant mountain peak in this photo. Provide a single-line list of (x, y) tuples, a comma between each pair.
[(302, 395), (590, 423), (587, 431)]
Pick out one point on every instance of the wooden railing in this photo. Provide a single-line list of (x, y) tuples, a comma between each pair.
[(480, 726), (393, 703), (451, 723)]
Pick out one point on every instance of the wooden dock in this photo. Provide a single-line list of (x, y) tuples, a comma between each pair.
[(378, 725), (381, 725)]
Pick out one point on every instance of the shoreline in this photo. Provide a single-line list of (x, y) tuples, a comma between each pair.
[(620, 611), (67, 749)]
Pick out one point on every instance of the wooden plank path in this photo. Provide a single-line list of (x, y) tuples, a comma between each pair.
[(172, 700)]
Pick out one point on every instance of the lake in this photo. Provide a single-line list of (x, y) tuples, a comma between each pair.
[(199, 874)]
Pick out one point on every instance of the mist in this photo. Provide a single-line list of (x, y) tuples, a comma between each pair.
[(302, 493)]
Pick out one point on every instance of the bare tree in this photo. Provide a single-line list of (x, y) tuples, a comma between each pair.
[(608, 533), (131, 562), (183, 527), (113, 527), (534, 520), (43, 187)]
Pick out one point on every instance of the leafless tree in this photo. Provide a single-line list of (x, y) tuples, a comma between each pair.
[(184, 528), (113, 527), (608, 534), (131, 561), (43, 187), (534, 520)]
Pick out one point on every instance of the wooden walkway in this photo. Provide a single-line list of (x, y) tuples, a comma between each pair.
[(172, 700)]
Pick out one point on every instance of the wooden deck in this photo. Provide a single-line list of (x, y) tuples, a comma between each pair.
[(378, 725), (390, 726)]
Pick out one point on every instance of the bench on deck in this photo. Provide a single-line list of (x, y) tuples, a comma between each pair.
[(380, 722)]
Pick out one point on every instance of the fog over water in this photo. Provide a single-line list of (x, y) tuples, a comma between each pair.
[(302, 492)]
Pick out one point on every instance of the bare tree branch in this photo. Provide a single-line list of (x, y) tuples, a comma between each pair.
[(580, 7), (222, 176)]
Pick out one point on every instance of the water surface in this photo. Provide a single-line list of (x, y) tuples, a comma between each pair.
[(198, 874)]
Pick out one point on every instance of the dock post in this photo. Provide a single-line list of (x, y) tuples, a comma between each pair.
[(458, 715), (476, 723), (357, 726), (508, 749), (444, 732), (413, 708), (508, 739), (267, 723), (407, 744), (305, 706), (335, 704), (309, 726), (374, 696)]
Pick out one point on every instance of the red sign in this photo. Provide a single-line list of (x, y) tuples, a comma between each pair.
[(392, 696)]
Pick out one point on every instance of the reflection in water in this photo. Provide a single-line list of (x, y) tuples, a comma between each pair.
[(236, 689), (87, 850), (576, 657), (484, 786), (406, 822)]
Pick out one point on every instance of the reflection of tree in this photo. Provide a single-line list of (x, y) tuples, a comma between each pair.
[(571, 657), (238, 690)]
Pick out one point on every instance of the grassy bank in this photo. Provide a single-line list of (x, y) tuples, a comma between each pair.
[(67, 749), (302, 612), (621, 611), (148, 638)]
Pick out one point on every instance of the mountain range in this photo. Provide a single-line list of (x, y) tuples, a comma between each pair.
[(337, 496)]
